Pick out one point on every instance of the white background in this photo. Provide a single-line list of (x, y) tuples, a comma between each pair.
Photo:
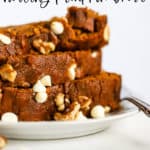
[(129, 50)]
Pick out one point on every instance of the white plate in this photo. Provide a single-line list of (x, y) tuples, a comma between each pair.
[(67, 129)]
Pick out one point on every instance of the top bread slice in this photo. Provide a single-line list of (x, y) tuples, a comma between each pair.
[(81, 28)]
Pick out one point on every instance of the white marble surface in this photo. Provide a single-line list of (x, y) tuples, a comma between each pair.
[(128, 134)]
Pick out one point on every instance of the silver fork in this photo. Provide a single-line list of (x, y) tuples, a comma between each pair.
[(143, 106)]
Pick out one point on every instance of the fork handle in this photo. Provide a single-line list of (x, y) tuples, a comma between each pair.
[(145, 107)]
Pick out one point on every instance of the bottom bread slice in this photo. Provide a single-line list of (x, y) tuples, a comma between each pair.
[(63, 101)]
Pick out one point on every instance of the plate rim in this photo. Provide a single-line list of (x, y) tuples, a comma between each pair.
[(122, 115), (133, 110)]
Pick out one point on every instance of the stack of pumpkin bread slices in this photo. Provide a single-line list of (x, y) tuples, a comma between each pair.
[(52, 70)]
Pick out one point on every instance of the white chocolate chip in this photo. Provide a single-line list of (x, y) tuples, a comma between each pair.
[(57, 27), (80, 116), (59, 100), (106, 33), (61, 107), (94, 54), (46, 80), (98, 111), (5, 39), (9, 117), (39, 87), (107, 109), (72, 71), (41, 97)]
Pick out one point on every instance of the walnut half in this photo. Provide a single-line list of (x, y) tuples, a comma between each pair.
[(85, 102), (8, 73), (43, 47), (70, 113)]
